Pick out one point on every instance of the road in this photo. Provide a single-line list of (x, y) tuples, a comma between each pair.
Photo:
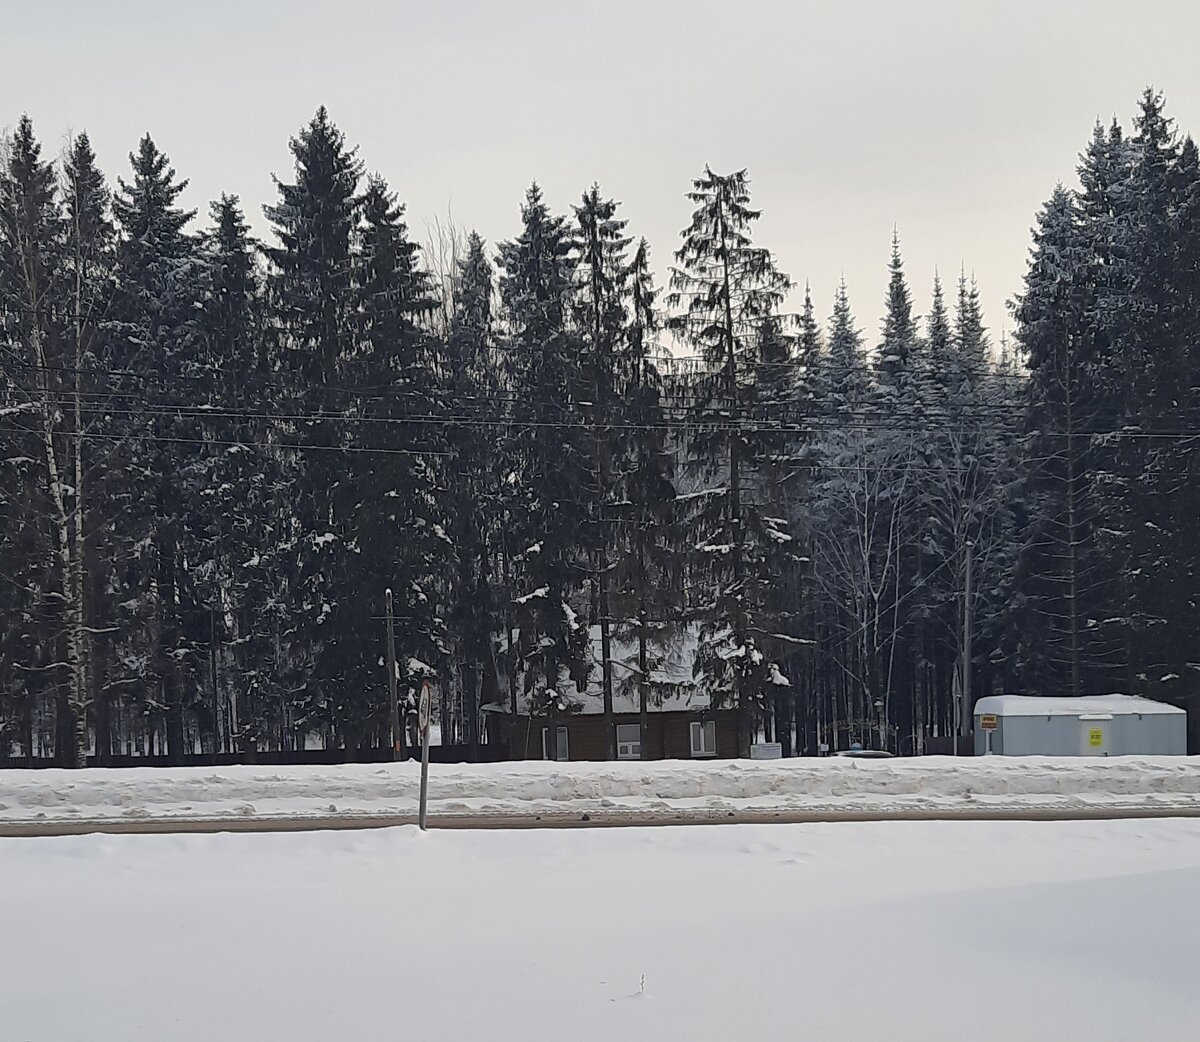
[(588, 819)]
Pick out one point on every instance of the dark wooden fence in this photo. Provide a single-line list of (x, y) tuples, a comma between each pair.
[(275, 757)]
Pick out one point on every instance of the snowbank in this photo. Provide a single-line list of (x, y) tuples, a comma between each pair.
[(800, 785), (910, 932)]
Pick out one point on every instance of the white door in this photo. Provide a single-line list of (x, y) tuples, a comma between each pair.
[(1094, 737)]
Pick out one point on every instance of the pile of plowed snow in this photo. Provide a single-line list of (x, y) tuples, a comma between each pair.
[(834, 786)]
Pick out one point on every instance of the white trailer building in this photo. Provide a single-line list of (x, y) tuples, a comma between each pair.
[(1092, 725)]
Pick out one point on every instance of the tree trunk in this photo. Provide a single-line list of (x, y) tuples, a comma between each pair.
[(27, 725), (71, 578), (783, 722), (510, 663), (643, 656), (470, 708), (446, 714), (610, 727), (214, 673), (740, 696), (599, 411), (1072, 541), (168, 669)]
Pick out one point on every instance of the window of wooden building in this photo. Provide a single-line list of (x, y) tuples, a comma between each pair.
[(629, 742), (704, 738), (554, 743)]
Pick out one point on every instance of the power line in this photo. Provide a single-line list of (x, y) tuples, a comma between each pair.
[(823, 365), (280, 446), (722, 423)]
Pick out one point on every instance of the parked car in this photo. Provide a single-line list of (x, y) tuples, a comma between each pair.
[(859, 753)]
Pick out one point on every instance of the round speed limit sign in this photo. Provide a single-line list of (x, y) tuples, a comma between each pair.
[(423, 709)]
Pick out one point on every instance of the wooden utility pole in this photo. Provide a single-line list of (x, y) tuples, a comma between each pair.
[(964, 716), (216, 684), (423, 713), (393, 700)]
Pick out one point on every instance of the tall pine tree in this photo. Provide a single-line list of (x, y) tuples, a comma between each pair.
[(551, 446), (647, 587), (312, 305), (159, 294), (600, 314), (729, 293), (473, 491)]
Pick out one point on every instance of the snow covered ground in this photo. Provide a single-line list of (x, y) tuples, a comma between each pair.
[(896, 931), (668, 788)]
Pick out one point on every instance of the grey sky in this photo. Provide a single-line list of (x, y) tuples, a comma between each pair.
[(950, 120)]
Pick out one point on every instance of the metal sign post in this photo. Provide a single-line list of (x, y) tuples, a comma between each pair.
[(423, 709)]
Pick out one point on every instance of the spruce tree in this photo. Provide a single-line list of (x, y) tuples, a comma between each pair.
[(473, 490), (1183, 611), (780, 491), (808, 357), (1066, 588), (899, 345), (310, 287), (729, 292), (647, 593), (938, 615), (808, 375), (249, 535), (842, 391), (389, 501), (156, 312), (551, 451), (88, 291), (1143, 370), (897, 449), (600, 314)]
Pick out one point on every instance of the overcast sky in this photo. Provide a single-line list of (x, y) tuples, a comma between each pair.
[(950, 120)]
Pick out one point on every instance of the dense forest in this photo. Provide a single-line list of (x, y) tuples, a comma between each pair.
[(221, 459)]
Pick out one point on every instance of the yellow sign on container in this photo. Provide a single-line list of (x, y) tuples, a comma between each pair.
[(1096, 737)]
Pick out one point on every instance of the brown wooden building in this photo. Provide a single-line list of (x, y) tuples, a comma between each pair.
[(672, 734), (567, 722)]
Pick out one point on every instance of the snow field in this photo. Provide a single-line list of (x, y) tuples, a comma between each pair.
[(902, 931), (833, 785)]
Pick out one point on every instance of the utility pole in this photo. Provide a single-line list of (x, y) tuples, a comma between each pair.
[(423, 713), (393, 701), (965, 718), (216, 683)]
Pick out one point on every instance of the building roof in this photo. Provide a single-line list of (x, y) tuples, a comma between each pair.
[(1065, 705), (673, 686)]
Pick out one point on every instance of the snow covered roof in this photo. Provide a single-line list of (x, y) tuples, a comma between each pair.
[(1084, 705), (672, 684)]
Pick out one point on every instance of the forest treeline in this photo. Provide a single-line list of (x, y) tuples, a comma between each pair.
[(217, 454)]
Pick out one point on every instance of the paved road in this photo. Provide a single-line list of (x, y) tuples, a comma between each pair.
[(591, 819)]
